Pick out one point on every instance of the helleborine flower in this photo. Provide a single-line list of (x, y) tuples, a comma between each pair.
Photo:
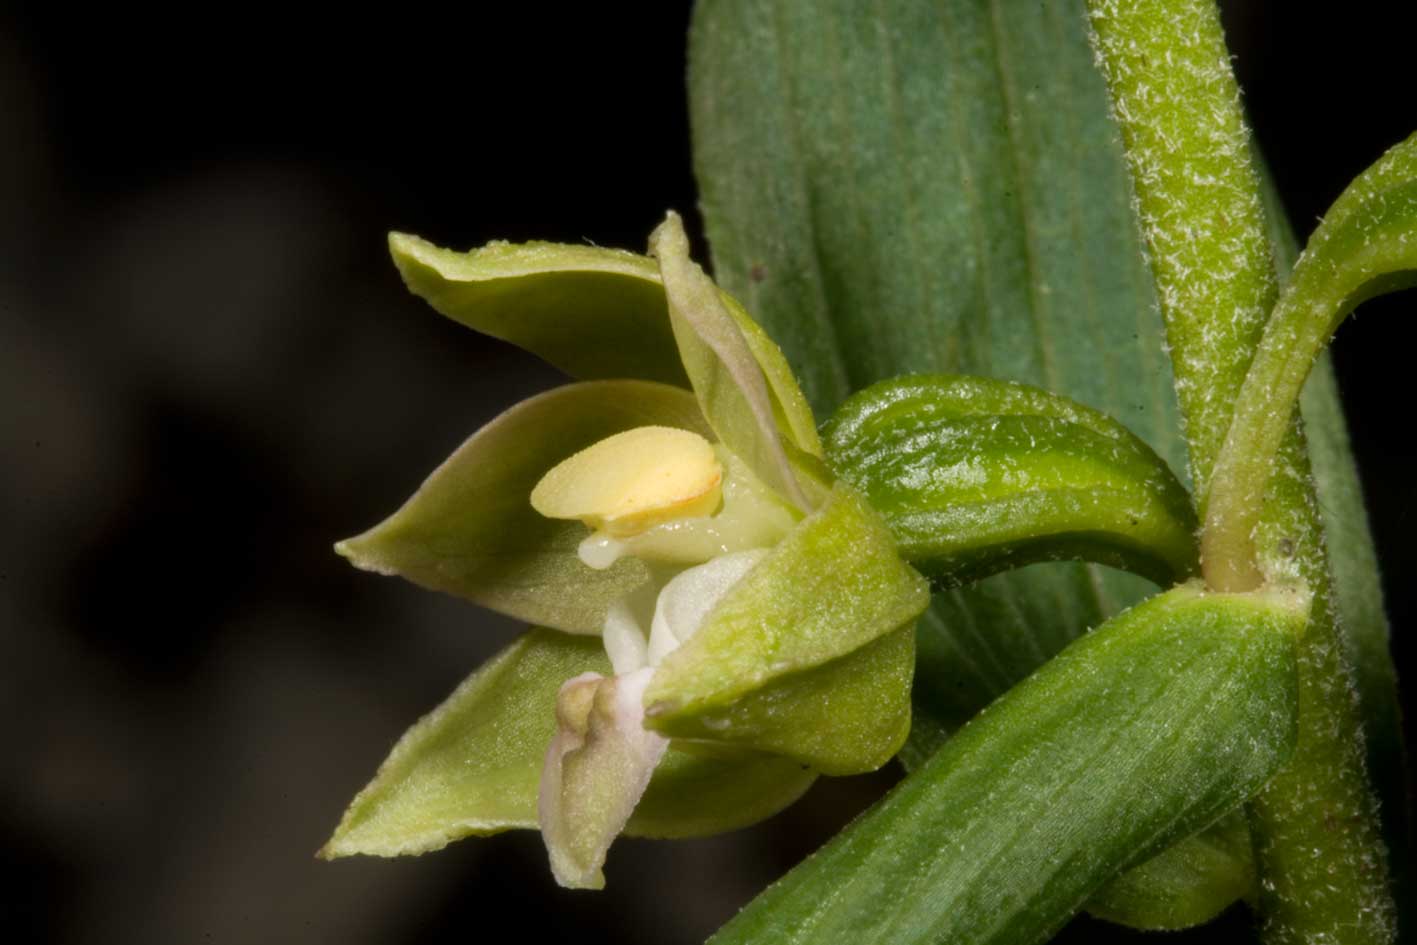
[(718, 620)]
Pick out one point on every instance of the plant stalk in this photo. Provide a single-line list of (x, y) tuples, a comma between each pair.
[(1322, 865)]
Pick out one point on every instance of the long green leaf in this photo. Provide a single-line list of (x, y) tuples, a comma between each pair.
[(902, 187), (935, 187), (1158, 723)]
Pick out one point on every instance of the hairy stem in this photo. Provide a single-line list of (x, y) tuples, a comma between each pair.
[(1361, 249), (1198, 199), (1321, 863)]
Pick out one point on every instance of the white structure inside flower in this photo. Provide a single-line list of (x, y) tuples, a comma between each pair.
[(700, 517)]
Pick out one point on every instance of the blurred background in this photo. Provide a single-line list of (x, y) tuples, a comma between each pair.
[(209, 371)]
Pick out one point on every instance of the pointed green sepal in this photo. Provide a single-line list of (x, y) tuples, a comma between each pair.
[(472, 766), (594, 313), (470, 529), (975, 476), (810, 655)]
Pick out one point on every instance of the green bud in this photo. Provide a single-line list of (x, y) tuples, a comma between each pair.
[(974, 476)]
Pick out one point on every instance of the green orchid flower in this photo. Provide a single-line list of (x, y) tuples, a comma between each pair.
[(718, 619)]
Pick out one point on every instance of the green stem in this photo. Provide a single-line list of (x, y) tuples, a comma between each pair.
[(1317, 841), (1361, 249), (1169, 76)]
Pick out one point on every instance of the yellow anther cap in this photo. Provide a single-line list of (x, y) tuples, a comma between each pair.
[(633, 481)]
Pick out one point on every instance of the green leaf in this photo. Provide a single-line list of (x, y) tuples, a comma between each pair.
[(594, 313), (1187, 885), (905, 187), (470, 529), (902, 188), (976, 476), (472, 766), (726, 377), (1365, 246), (1158, 723), (810, 654)]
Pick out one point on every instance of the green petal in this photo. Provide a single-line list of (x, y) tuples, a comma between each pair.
[(470, 529), (594, 313), (976, 476), (472, 766), (732, 389), (809, 655)]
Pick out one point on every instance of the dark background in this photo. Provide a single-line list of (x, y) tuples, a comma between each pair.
[(209, 371)]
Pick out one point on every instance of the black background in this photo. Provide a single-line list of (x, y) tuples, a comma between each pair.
[(209, 371)]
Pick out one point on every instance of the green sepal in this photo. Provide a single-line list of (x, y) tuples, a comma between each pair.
[(1187, 884), (975, 476), (697, 794), (472, 766), (594, 313), (470, 529), (1156, 724), (810, 655)]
